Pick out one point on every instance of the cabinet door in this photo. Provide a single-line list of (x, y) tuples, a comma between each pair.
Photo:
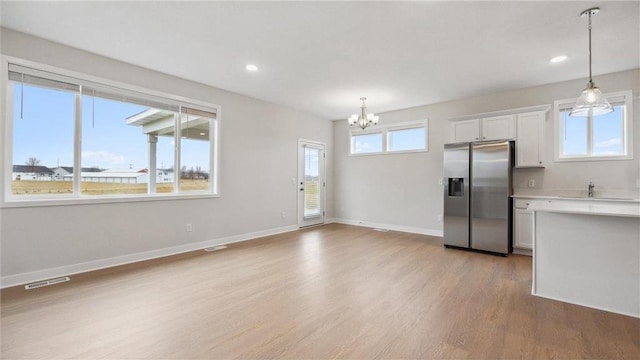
[(524, 229), (497, 127), (530, 139), (465, 130)]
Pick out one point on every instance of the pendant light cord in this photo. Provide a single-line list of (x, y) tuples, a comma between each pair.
[(590, 76)]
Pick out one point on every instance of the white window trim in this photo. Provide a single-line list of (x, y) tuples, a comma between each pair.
[(615, 97), (384, 130), (8, 200)]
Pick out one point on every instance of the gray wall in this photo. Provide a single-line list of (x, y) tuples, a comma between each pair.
[(258, 161), (401, 191)]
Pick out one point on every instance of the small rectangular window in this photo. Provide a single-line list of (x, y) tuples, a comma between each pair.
[(395, 138), (604, 137), (366, 143), (406, 139)]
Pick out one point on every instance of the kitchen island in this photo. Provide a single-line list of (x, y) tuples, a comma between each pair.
[(588, 253)]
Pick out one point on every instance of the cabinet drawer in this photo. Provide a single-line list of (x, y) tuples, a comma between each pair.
[(522, 203)]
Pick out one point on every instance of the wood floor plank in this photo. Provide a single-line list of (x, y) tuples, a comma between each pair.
[(328, 292)]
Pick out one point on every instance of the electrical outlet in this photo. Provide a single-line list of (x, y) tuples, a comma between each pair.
[(283, 214), (532, 183), (189, 228), (440, 217), (440, 181)]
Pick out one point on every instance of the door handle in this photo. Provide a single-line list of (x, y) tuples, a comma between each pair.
[(301, 189)]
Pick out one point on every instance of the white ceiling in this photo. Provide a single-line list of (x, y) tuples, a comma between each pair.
[(321, 57)]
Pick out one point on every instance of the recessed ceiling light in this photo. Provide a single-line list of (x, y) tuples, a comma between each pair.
[(251, 67), (203, 134), (558, 59)]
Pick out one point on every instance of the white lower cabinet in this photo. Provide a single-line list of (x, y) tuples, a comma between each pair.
[(523, 225)]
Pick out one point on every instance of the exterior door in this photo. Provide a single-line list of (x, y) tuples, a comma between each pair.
[(311, 183)]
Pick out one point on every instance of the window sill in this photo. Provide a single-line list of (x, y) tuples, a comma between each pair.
[(85, 200), (392, 152), (594, 158)]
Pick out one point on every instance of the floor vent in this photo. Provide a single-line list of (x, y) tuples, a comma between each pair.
[(215, 248), (43, 283), (381, 230)]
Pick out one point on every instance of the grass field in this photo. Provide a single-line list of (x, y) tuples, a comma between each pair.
[(23, 187)]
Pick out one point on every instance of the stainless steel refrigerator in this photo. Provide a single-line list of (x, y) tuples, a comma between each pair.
[(477, 196)]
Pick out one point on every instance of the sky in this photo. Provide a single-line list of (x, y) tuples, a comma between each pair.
[(43, 128), (607, 130)]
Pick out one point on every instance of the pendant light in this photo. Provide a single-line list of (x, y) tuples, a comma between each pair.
[(591, 102)]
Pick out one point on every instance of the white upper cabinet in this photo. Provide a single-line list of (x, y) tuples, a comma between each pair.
[(465, 130), (489, 128), (497, 127), (530, 140)]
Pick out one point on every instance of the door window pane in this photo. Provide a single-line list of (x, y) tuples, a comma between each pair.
[(366, 143), (406, 139), (311, 182), (43, 122)]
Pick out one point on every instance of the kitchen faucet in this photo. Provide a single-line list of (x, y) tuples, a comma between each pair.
[(590, 191)]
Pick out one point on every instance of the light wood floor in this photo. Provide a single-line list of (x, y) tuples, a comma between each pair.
[(334, 291)]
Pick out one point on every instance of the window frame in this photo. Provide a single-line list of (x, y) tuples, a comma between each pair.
[(615, 98), (8, 199), (385, 131)]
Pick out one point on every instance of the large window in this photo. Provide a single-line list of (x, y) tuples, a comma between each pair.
[(75, 138), (604, 137), (396, 138)]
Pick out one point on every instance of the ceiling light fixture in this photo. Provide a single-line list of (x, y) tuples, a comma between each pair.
[(251, 67), (558, 59), (363, 120), (591, 102)]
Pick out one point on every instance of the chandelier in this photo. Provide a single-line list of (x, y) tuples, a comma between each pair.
[(363, 120), (591, 102)]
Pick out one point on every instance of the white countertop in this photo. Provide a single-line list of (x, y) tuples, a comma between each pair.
[(626, 209), (576, 198)]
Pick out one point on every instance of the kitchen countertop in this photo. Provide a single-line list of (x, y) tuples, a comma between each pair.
[(575, 198), (622, 208)]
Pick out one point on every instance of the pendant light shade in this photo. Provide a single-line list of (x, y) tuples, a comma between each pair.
[(591, 102)]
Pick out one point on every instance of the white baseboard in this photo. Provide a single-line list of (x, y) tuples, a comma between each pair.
[(25, 278), (407, 229)]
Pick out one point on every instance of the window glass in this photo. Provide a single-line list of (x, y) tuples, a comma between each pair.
[(601, 136), (114, 153), (311, 182), (366, 143), (608, 133), (43, 123), (126, 141), (406, 139), (575, 135), (195, 150)]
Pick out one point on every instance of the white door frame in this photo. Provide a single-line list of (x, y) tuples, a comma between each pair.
[(317, 220)]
